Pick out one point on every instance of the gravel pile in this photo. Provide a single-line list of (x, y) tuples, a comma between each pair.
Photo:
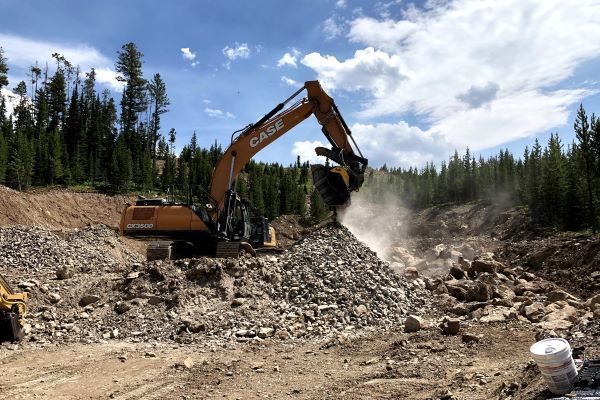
[(31, 249), (327, 285)]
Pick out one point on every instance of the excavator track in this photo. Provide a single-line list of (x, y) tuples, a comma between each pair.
[(159, 250), (234, 249)]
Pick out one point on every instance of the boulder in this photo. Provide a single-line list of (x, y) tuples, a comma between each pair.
[(557, 295), (88, 299), (486, 264), (411, 272), (450, 326), (592, 301), (561, 310), (64, 273), (457, 272), (534, 312), (503, 292), (413, 324), (478, 291)]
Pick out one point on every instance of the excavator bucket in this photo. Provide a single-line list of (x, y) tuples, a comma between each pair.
[(333, 184)]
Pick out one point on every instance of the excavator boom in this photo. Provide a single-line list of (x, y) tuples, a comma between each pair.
[(278, 122)]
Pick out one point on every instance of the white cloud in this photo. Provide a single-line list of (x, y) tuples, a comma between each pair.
[(23, 52), (289, 59), (108, 77), (373, 70), (216, 113), (237, 51), (290, 81), (306, 150), (187, 54), (400, 144), (340, 3), (478, 73), (331, 28)]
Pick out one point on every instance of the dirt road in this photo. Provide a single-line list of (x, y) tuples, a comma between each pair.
[(392, 365)]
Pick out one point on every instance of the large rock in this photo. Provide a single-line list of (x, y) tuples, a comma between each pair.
[(534, 312), (561, 310), (592, 301), (413, 324), (88, 299), (486, 264), (503, 292), (478, 291), (497, 314), (450, 326), (457, 272)]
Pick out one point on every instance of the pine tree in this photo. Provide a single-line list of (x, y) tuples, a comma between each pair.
[(318, 208), (3, 69), (122, 166), (133, 102), (57, 100), (582, 132), (160, 101)]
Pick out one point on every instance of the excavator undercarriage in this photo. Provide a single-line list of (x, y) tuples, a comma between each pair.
[(12, 309)]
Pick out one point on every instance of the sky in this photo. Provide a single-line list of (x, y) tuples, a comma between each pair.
[(414, 80)]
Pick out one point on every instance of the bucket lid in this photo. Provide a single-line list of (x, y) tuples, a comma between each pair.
[(549, 347)]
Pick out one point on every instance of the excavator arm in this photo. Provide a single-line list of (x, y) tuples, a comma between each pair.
[(334, 184)]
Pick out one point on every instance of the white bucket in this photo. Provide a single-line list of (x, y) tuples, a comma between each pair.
[(553, 357)]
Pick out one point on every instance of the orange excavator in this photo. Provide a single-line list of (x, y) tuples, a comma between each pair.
[(223, 226)]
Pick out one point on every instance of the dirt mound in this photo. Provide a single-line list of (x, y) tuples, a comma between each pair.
[(573, 263), (289, 229), (59, 209), (326, 285), (478, 218)]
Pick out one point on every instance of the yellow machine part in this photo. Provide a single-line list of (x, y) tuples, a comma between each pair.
[(10, 301), (343, 173), (273, 236), (12, 309)]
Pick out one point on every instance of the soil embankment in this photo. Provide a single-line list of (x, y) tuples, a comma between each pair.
[(59, 209)]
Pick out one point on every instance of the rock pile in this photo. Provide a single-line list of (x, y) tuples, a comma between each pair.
[(35, 250), (488, 291), (326, 285)]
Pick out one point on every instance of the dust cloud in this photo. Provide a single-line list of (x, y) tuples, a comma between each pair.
[(377, 217)]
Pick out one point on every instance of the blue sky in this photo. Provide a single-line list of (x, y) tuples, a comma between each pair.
[(414, 80)]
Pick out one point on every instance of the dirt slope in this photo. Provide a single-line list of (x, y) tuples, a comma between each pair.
[(58, 209)]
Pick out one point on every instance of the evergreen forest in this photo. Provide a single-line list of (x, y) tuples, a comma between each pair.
[(63, 132)]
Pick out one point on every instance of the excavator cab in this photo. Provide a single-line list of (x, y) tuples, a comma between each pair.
[(263, 234)]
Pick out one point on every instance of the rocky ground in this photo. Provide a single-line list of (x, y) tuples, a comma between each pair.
[(448, 315)]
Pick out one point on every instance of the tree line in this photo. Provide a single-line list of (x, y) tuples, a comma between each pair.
[(560, 184), (64, 132)]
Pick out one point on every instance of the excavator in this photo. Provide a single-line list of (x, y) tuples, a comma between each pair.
[(223, 227), (12, 309)]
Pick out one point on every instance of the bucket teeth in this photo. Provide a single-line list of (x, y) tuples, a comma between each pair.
[(331, 186)]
